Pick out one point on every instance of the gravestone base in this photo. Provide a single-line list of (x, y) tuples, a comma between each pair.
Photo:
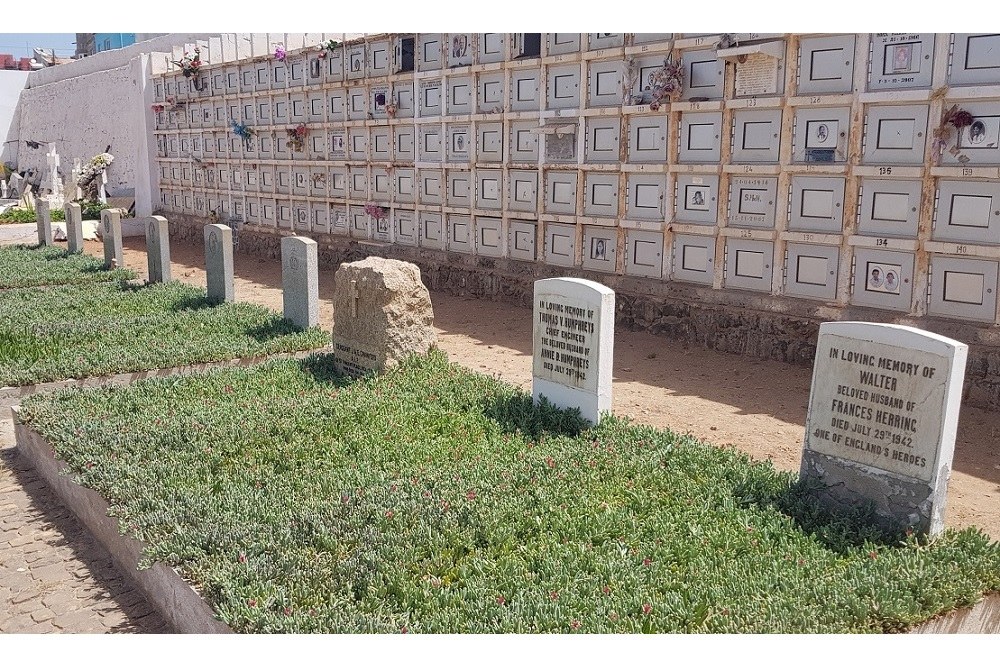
[(591, 404), (898, 503)]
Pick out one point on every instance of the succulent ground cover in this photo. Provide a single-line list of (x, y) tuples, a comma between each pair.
[(434, 499), (73, 331), (31, 266)]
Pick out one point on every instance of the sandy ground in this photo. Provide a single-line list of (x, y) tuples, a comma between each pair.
[(758, 406)]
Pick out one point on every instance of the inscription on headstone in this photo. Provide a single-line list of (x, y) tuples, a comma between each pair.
[(883, 411), (219, 263), (111, 234), (158, 249), (300, 280), (43, 220), (382, 313), (573, 336), (74, 227)]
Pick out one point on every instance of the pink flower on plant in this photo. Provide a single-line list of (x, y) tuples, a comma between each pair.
[(647, 608)]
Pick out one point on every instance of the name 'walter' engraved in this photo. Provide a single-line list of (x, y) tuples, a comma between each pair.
[(882, 409)]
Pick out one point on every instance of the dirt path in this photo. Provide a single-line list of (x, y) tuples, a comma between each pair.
[(758, 406)]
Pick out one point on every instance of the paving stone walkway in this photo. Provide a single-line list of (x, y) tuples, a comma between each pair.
[(53, 576)]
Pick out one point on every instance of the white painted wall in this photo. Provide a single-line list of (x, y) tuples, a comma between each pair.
[(11, 84)]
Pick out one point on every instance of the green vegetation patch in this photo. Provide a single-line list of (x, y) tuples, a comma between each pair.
[(19, 215), (32, 266), (73, 331), (435, 499)]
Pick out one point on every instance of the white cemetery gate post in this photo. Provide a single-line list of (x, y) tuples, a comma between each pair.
[(300, 280), (573, 343), (74, 227), (43, 220), (158, 249), (111, 234), (219, 263), (883, 411)]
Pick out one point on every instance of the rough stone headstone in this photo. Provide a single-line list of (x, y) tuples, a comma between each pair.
[(573, 343), (43, 220), (219, 263), (158, 249), (382, 313), (299, 280), (883, 411), (111, 233), (74, 227)]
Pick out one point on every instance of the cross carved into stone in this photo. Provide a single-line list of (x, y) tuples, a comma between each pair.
[(354, 298)]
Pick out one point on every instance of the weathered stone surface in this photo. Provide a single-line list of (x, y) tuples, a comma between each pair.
[(74, 227), (219, 263), (300, 281), (158, 249), (382, 313), (43, 218), (883, 413), (111, 234)]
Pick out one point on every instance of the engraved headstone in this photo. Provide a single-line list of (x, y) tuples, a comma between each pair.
[(573, 343), (158, 249), (219, 263), (111, 233), (382, 313), (300, 280), (883, 411), (43, 220), (74, 227)]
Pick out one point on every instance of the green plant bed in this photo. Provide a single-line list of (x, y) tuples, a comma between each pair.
[(435, 499), (32, 266), (20, 215), (73, 331)]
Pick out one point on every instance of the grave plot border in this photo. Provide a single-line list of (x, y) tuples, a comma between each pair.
[(164, 589)]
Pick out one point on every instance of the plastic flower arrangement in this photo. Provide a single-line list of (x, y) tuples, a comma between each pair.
[(297, 137), (667, 82), (952, 117), (189, 64), (328, 47), (391, 108), (376, 211), (279, 52), (243, 132)]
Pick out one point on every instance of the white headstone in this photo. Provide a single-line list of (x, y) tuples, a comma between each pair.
[(158, 249), (300, 280), (3, 189), (111, 233), (219, 263), (16, 183), (74, 186), (51, 181), (74, 227), (574, 338), (43, 220), (883, 411)]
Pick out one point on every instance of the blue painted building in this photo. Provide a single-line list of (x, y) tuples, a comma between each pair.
[(105, 41)]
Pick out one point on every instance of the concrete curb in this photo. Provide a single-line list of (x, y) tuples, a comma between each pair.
[(11, 396), (166, 591), (981, 618)]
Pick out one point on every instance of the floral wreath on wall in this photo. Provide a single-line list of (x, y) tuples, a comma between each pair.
[(189, 64), (328, 47), (244, 132), (297, 137), (375, 211), (954, 117), (89, 176)]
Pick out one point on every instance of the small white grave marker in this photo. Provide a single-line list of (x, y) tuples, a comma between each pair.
[(219, 263), (74, 227), (43, 221), (574, 336), (111, 234), (158, 249), (883, 411), (300, 280)]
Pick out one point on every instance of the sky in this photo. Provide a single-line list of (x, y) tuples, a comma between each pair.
[(20, 44)]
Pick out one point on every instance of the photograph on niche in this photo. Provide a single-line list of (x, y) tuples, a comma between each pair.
[(696, 197), (821, 133), (379, 96), (599, 249), (458, 143), (902, 58), (984, 132), (459, 46), (337, 144), (314, 68), (884, 278), (357, 62)]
